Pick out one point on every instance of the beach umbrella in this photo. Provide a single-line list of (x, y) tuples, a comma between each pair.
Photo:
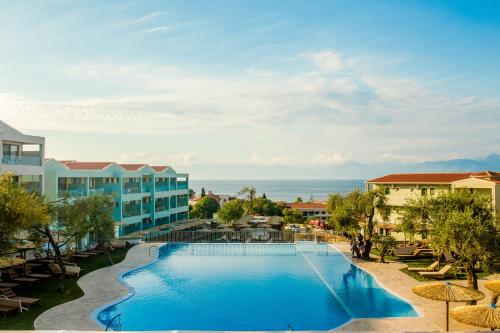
[(204, 230), (263, 225), (494, 286), (247, 229), (486, 316), (447, 292)]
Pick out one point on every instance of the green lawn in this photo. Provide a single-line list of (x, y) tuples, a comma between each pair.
[(50, 297), (424, 262)]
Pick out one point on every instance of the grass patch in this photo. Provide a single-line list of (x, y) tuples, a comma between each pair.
[(50, 297)]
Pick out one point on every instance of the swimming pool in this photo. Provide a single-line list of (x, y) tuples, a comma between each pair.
[(240, 287)]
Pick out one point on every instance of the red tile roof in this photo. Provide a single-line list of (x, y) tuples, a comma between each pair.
[(159, 168), (415, 178), (307, 205), (87, 165), (131, 167)]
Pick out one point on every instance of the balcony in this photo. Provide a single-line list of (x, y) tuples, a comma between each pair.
[(130, 188), (72, 192), (147, 187), (146, 208), (161, 187), (161, 206), (22, 160), (131, 210), (182, 185)]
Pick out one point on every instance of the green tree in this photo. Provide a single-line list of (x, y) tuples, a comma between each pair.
[(346, 212), (385, 243), (264, 195), (231, 211), (374, 201), (202, 192), (205, 208), (463, 223), (70, 224), (407, 226), (18, 209), (191, 193), (250, 191), (293, 216), (100, 221), (263, 206), (280, 206), (298, 200)]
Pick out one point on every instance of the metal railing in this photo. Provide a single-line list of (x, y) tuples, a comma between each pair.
[(215, 236)]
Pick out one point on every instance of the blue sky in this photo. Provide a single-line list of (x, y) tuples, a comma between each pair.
[(207, 85)]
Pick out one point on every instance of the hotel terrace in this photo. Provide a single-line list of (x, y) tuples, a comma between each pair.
[(145, 196), (400, 187)]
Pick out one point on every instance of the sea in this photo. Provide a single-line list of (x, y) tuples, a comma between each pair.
[(281, 190)]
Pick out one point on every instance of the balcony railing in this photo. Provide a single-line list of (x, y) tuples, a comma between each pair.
[(96, 191), (72, 192), (131, 188), (182, 185), (159, 187), (129, 211), (22, 160), (161, 208), (146, 209)]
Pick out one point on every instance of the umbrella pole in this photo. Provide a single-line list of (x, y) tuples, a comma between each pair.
[(447, 316)]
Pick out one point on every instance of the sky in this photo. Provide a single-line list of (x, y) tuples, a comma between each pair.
[(230, 89)]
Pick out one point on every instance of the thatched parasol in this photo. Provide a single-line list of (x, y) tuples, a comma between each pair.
[(263, 225), (494, 286), (241, 225), (225, 229), (6, 262), (448, 292), (486, 316), (247, 229)]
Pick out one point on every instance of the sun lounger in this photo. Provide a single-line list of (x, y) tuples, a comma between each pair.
[(429, 268), (437, 275), (11, 273), (72, 271), (8, 284), (39, 258), (449, 257), (8, 306), (25, 301), (118, 244), (28, 273)]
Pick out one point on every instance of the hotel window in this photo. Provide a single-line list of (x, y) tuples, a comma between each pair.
[(432, 191), (387, 191), (423, 191)]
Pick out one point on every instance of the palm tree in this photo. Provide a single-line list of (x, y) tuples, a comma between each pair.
[(250, 191)]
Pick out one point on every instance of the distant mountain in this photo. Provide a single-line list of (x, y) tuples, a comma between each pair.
[(349, 170), (491, 162)]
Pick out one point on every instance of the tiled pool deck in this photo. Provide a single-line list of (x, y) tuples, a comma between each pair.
[(101, 287)]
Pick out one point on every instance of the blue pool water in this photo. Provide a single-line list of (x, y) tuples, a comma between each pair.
[(238, 287)]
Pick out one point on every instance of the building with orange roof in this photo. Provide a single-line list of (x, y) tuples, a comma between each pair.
[(400, 187), (145, 196), (311, 209)]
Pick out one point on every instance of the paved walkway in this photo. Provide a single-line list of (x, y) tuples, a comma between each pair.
[(99, 287), (433, 314)]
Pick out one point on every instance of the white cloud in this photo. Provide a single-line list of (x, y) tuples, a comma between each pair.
[(157, 29), (155, 158), (299, 159), (259, 72), (327, 60), (146, 17), (369, 116)]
